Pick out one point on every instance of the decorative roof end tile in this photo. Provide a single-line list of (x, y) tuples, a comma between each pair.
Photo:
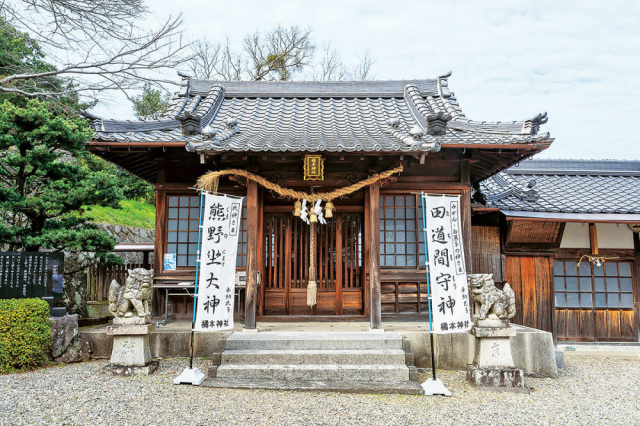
[(416, 132), (443, 85), (438, 123), (532, 125)]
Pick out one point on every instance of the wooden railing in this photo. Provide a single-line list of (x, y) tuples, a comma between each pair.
[(99, 279)]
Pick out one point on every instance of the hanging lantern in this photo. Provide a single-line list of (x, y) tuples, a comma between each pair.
[(328, 210), (313, 218), (297, 207)]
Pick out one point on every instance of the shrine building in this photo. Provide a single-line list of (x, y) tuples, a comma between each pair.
[(564, 234), (369, 257)]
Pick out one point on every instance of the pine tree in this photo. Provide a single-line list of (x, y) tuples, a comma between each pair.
[(45, 182)]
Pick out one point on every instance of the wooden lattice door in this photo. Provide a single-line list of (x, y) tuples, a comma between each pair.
[(338, 265)]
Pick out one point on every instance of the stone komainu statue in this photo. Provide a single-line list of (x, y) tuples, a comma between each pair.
[(132, 298), (493, 301)]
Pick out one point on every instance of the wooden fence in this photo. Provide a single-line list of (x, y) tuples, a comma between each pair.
[(99, 279)]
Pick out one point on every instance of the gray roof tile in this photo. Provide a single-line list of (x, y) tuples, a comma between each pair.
[(567, 186), (316, 116)]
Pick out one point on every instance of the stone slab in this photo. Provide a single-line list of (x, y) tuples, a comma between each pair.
[(534, 352), (122, 370), (358, 387), (532, 349), (493, 331), (504, 379), (314, 341), (129, 329), (382, 356), (317, 372), (134, 320)]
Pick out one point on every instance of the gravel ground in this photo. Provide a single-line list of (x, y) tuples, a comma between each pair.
[(590, 390)]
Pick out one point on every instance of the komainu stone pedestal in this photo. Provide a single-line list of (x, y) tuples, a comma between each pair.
[(131, 354), (493, 366)]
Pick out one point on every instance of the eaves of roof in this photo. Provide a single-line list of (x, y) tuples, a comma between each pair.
[(383, 116)]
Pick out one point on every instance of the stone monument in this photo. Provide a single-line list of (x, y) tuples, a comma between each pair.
[(493, 366), (129, 304)]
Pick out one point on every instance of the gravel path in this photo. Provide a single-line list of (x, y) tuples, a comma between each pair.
[(590, 390)]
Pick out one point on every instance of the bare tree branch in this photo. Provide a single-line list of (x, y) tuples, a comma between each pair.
[(279, 53), (330, 67), (214, 61), (363, 69), (99, 44)]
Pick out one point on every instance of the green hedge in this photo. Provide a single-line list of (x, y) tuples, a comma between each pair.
[(25, 334)]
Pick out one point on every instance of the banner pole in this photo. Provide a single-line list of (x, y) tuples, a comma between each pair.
[(195, 294), (429, 300)]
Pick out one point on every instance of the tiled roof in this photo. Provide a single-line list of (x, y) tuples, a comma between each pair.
[(319, 116), (566, 186)]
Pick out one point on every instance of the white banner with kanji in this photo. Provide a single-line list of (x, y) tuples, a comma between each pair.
[(447, 272), (221, 218)]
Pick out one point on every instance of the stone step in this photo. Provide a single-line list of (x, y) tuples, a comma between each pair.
[(314, 341), (315, 372), (288, 356), (403, 388)]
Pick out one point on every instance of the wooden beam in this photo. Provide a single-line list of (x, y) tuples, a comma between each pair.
[(252, 256), (593, 238), (465, 218), (374, 256), (465, 174)]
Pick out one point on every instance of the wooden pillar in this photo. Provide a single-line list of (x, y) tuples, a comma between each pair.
[(252, 255), (161, 220), (374, 255), (636, 247), (593, 239)]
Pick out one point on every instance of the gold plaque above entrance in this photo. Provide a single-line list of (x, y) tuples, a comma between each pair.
[(313, 167)]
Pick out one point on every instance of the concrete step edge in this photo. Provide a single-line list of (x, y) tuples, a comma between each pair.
[(401, 388), (311, 367), (314, 351)]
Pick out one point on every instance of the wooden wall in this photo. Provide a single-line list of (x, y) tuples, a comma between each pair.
[(531, 278), (485, 252)]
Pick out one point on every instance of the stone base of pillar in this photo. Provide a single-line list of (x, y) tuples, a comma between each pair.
[(497, 379), (120, 370), (493, 366), (131, 354)]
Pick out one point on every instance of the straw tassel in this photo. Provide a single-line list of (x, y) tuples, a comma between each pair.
[(312, 287)]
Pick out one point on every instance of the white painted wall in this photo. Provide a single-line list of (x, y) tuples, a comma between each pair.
[(576, 235), (611, 235)]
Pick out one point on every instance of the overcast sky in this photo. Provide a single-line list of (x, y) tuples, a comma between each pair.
[(579, 61)]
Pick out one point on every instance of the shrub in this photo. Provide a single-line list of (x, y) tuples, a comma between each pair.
[(25, 334)]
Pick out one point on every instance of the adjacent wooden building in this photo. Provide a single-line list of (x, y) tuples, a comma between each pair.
[(566, 239), (370, 260)]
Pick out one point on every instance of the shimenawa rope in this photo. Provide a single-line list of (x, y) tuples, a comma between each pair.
[(211, 180)]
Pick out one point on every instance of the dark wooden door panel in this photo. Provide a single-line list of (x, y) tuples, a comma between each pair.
[(338, 265), (530, 277)]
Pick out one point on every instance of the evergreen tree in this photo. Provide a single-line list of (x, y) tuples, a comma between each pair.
[(45, 181), (151, 104)]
